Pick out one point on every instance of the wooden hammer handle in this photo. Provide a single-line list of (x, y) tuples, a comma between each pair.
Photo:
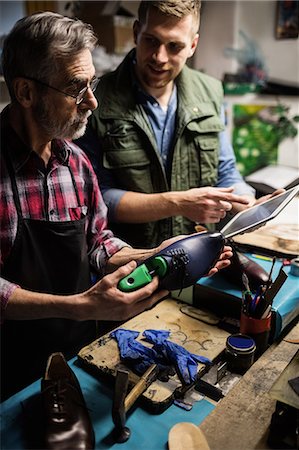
[(145, 380)]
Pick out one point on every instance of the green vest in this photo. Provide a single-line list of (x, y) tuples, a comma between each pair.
[(129, 150)]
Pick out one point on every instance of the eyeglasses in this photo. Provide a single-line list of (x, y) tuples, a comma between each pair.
[(81, 94)]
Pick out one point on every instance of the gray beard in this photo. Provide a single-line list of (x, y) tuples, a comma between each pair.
[(71, 129)]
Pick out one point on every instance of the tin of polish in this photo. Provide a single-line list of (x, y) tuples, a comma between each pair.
[(240, 350)]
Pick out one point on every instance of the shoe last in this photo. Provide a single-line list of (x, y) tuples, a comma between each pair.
[(67, 422)]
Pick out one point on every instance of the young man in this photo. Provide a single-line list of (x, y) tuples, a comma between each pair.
[(156, 139), (53, 218)]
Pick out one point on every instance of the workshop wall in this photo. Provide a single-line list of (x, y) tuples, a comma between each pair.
[(221, 23)]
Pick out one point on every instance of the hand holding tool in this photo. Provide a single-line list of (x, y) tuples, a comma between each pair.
[(180, 264)]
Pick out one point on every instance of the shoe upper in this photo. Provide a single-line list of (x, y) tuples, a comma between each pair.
[(189, 259), (240, 263)]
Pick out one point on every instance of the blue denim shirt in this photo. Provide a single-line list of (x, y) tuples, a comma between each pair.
[(162, 122)]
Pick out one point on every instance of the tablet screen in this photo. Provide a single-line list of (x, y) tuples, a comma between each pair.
[(259, 214)]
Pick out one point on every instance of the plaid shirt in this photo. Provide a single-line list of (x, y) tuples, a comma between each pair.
[(47, 193)]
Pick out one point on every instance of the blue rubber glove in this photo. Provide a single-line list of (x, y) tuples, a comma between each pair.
[(137, 354), (164, 353), (184, 361)]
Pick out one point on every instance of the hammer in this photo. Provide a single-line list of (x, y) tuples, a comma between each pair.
[(122, 402)]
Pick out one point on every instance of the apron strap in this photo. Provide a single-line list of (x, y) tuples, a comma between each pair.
[(13, 182)]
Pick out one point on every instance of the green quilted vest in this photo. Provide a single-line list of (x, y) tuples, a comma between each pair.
[(129, 149)]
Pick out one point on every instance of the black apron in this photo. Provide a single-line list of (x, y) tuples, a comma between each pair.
[(48, 257)]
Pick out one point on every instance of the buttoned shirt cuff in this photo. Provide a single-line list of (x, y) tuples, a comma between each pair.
[(100, 257)]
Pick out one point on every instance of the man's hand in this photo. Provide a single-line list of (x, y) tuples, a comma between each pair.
[(207, 204), (252, 201), (104, 301), (223, 261), (202, 205), (266, 197)]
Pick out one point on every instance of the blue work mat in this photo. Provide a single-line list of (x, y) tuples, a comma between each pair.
[(21, 418)]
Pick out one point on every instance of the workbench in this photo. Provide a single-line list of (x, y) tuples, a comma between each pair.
[(239, 421)]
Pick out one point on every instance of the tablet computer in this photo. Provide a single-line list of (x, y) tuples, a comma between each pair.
[(257, 215)]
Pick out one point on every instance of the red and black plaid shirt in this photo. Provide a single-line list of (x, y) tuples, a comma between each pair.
[(47, 193)]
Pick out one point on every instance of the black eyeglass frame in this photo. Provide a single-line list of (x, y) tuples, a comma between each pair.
[(81, 94)]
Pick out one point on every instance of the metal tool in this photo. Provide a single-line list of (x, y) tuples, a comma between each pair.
[(123, 402), (208, 389)]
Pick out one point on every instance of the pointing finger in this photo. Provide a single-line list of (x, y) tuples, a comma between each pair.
[(225, 205)]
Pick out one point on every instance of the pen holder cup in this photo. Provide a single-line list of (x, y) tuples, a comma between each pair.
[(258, 329)]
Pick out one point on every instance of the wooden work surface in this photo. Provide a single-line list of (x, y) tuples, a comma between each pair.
[(281, 390), (280, 238), (205, 339), (241, 420)]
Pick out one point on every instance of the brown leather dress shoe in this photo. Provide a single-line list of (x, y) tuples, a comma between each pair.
[(240, 264), (67, 422)]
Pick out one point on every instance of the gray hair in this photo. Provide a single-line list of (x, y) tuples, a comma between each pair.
[(37, 45), (175, 8)]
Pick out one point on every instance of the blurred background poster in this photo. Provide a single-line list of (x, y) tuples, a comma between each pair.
[(287, 26), (254, 137)]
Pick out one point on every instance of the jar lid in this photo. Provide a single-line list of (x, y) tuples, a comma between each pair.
[(240, 342)]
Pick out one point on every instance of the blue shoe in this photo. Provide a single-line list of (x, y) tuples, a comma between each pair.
[(179, 265)]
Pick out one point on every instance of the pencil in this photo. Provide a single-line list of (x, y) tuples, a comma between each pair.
[(265, 258)]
